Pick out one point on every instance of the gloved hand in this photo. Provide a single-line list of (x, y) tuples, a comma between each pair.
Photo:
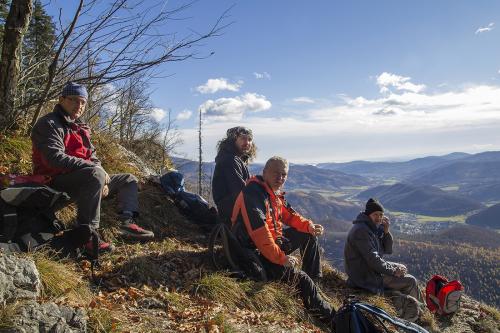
[(315, 229)]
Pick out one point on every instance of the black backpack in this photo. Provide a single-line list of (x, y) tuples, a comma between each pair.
[(28, 220), (357, 317), (27, 215), (192, 205)]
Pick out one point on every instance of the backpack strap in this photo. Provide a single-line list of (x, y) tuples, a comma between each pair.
[(9, 221), (382, 315)]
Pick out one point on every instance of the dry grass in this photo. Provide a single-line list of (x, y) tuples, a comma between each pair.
[(111, 156), (256, 296), (15, 155), (61, 281), (491, 311), (428, 320), (67, 215), (490, 319), (225, 290), (7, 313), (101, 321), (221, 321)]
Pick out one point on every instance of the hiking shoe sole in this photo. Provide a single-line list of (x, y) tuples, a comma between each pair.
[(147, 235)]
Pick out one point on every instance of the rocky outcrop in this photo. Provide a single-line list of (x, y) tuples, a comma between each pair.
[(20, 285), (48, 317), (19, 278), (135, 161)]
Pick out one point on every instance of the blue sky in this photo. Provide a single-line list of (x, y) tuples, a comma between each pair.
[(322, 81)]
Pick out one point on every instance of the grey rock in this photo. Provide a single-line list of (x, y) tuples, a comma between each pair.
[(19, 278), (137, 162), (49, 318)]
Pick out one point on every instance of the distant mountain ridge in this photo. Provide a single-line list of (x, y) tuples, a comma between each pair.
[(424, 200), (391, 169), (300, 177), (478, 168), (310, 177)]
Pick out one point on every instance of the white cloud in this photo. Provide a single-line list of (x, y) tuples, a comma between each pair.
[(184, 115), (214, 85), (303, 99), (485, 29), (158, 114), (387, 80), (263, 75), (399, 123), (235, 107)]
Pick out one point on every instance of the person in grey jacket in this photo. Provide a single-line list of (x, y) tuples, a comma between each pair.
[(367, 241), (62, 150)]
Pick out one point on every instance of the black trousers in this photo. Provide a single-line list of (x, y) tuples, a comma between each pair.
[(84, 186), (309, 250), (302, 279)]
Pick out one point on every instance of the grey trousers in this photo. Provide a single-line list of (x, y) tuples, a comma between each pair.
[(406, 284), (85, 185)]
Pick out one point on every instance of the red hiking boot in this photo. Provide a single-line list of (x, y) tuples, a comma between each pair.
[(130, 230), (103, 247)]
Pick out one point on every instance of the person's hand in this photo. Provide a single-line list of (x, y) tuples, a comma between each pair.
[(401, 270), (107, 178), (291, 261), (315, 229), (386, 224), (105, 191)]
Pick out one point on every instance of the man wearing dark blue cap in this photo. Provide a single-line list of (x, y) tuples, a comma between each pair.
[(62, 149)]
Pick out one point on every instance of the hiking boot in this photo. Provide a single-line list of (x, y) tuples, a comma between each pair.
[(103, 247), (130, 230)]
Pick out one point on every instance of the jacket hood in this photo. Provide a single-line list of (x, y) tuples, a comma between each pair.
[(363, 218), (259, 180)]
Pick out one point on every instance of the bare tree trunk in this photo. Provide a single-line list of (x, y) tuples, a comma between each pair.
[(16, 26), (200, 160), (53, 67)]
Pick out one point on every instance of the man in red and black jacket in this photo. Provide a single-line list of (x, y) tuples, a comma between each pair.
[(259, 213), (62, 149)]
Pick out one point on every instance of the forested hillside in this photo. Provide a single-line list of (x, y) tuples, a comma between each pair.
[(469, 254), (488, 217)]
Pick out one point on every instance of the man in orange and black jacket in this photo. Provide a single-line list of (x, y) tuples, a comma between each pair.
[(258, 216)]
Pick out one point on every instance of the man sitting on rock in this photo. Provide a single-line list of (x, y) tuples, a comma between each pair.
[(258, 217), (62, 149), (367, 241)]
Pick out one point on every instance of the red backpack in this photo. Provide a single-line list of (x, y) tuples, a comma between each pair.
[(443, 296)]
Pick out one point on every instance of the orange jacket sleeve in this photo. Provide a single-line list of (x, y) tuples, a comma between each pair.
[(293, 219)]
